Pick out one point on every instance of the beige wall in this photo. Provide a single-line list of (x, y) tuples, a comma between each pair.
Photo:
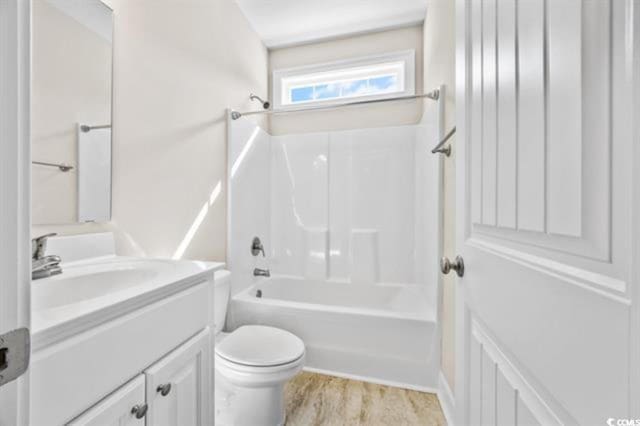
[(67, 89), (439, 67), (397, 113), (177, 66)]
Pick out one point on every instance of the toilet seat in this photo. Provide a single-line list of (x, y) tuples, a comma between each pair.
[(260, 346), (257, 377), (256, 356)]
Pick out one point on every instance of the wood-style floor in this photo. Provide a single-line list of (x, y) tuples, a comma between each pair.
[(315, 399)]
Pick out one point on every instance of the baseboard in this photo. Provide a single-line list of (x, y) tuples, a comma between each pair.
[(447, 402)]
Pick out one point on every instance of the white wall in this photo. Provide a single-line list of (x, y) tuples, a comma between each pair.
[(385, 114), (177, 66), (71, 84), (439, 68)]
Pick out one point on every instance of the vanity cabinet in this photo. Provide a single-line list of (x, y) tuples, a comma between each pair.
[(116, 408), (178, 387), (175, 391), (78, 375)]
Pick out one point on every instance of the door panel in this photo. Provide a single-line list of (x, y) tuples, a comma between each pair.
[(187, 371), (543, 219), (506, 102), (115, 410), (562, 167), (530, 141)]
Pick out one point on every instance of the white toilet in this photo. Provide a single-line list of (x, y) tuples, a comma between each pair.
[(252, 364)]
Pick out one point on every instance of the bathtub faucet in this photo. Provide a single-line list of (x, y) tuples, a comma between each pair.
[(261, 272)]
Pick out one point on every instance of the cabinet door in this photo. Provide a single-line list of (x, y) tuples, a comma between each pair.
[(178, 386), (118, 408)]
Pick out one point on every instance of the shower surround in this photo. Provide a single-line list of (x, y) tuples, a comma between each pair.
[(342, 213)]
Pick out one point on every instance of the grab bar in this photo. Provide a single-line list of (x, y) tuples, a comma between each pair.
[(439, 148), (63, 167)]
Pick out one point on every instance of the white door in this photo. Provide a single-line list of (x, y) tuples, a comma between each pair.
[(124, 407), (15, 256), (178, 385), (548, 222)]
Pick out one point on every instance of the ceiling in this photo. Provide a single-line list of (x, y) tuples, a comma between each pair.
[(283, 23)]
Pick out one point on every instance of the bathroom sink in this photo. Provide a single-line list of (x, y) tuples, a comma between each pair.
[(89, 281), (98, 284)]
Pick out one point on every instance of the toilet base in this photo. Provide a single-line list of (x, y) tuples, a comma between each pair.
[(249, 390), (237, 406)]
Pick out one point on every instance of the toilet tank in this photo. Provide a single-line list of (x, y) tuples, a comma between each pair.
[(222, 287)]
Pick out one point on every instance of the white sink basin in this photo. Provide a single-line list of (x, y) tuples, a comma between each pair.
[(93, 284), (89, 281)]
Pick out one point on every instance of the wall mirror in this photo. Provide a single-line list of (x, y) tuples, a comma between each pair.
[(71, 111)]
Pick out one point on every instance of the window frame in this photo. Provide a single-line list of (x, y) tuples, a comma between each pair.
[(406, 57)]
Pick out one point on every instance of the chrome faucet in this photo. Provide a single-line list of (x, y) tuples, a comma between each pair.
[(43, 266), (261, 273)]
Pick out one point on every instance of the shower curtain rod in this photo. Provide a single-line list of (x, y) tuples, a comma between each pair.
[(434, 94)]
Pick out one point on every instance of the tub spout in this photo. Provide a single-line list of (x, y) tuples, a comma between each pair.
[(261, 272)]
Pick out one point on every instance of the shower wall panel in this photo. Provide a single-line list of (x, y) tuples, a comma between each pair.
[(344, 205), (358, 206)]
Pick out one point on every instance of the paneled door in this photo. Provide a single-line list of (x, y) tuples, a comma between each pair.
[(548, 220), (178, 386)]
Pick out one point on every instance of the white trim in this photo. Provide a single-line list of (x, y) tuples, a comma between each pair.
[(633, 30), (462, 317), (15, 190), (407, 57), (447, 401)]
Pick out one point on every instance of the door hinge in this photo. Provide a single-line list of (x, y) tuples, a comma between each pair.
[(15, 351)]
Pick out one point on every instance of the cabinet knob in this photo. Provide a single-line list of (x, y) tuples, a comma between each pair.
[(140, 410), (457, 265), (164, 389)]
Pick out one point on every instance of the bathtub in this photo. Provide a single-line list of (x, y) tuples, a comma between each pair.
[(381, 333)]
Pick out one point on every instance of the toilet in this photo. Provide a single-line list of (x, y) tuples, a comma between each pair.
[(252, 365)]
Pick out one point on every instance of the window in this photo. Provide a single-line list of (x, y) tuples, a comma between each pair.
[(373, 77)]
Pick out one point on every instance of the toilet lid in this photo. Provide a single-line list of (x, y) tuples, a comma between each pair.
[(260, 346)]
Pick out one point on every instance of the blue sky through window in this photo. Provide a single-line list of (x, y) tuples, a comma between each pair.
[(302, 94), (345, 89), (383, 84), (327, 91)]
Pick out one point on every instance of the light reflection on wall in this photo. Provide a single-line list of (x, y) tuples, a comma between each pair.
[(186, 241)]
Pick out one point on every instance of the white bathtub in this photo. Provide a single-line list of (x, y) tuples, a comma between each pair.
[(382, 333)]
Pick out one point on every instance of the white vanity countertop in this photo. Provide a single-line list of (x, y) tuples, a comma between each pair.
[(92, 291)]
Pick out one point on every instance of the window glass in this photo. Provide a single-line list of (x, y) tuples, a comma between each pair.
[(373, 77)]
